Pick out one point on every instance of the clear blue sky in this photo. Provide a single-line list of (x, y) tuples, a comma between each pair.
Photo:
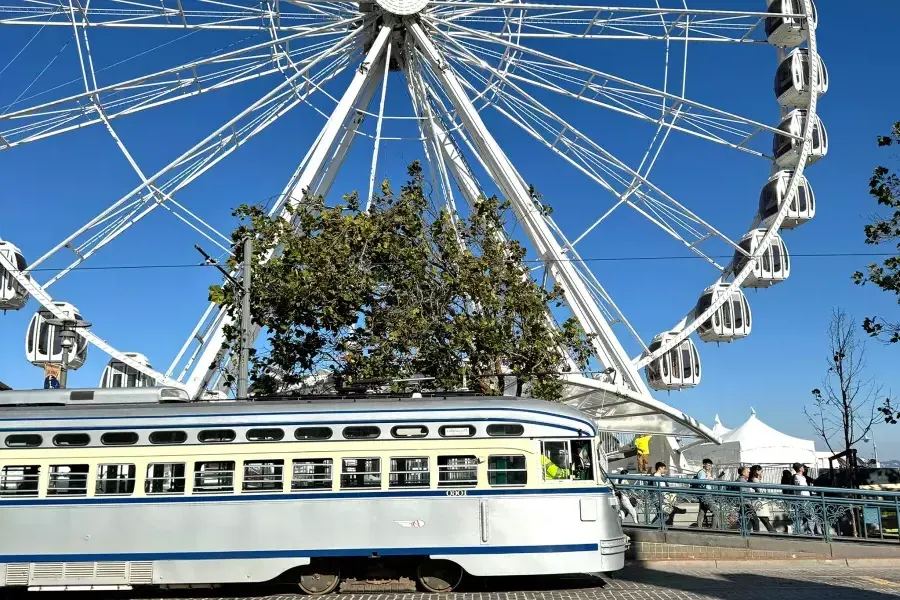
[(51, 187)]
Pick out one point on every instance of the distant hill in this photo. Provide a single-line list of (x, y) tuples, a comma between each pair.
[(890, 464)]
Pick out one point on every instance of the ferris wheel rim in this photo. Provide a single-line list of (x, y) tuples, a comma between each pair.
[(772, 229), (683, 333)]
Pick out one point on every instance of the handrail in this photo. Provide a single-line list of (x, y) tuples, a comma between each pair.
[(743, 507)]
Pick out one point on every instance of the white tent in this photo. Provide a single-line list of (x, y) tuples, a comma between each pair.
[(719, 429), (754, 442)]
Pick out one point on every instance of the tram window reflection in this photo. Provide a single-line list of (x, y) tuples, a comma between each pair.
[(115, 479), (165, 478), (24, 440), (457, 471), (214, 477), (71, 439), (272, 434), (19, 481), (312, 474), (505, 429), (263, 475), (409, 472), (507, 470), (361, 473), (168, 437), (119, 438), (67, 480), (306, 434)]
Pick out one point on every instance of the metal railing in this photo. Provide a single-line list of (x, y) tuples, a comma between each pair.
[(677, 503)]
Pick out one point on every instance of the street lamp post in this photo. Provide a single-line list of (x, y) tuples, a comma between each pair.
[(867, 439), (67, 336)]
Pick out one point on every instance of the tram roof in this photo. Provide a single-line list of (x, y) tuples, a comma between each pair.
[(27, 405)]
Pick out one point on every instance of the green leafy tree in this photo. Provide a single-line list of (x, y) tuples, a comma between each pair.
[(397, 291), (884, 185)]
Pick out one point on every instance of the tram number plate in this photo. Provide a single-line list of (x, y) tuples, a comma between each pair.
[(457, 492)]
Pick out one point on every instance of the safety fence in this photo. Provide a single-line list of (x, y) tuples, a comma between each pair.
[(746, 509)]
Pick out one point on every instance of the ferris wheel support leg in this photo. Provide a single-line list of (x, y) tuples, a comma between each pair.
[(316, 177), (501, 170)]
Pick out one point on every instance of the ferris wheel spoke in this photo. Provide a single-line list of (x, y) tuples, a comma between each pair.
[(609, 22), (211, 15), (156, 89), (618, 94), (204, 155), (627, 185)]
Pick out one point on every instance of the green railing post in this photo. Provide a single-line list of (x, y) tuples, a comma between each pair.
[(826, 530), (742, 514)]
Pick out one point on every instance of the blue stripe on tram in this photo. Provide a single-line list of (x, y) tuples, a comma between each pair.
[(263, 554), (282, 497)]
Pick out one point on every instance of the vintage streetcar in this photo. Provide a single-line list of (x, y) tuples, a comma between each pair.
[(119, 488)]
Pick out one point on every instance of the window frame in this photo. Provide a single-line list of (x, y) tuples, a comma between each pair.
[(149, 481), (220, 473), (361, 437), (217, 430), (407, 472), (313, 439), (443, 428), (267, 429), (523, 470), (59, 445), (24, 435), (136, 438), (314, 462), (450, 469), (168, 431), (423, 428), (364, 485), (515, 426), (55, 476), (130, 481), (266, 483), (34, 478)]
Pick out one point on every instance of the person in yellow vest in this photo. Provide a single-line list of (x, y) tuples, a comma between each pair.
[(642, 445), (552, 470)]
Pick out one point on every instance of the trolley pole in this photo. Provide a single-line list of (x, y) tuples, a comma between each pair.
[(244, 362)]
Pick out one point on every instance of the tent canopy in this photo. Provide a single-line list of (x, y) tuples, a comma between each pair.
[(754, 442)]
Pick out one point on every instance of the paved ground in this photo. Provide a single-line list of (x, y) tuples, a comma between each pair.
[(744, 582)]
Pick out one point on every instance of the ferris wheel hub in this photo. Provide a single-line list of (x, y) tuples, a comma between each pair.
[(402, 7)]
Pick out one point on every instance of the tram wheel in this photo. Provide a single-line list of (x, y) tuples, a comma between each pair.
[(317, 579), (439, 576)]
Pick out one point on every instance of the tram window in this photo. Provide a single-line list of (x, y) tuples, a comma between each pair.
[(114, 480), (164, 478), (312, 474), (71, 439), (409, 431), (457, 431), (168, 437), (216, 436), (409, 472), (507, 470), (24, 440), (361, 432), (582, 459), (306, 434), (67, 480), (361, 473), (119, 438), (457, 471), (263, 475), (505, 429), (214, 477), (19, 481), (273, 434), (556, 463)]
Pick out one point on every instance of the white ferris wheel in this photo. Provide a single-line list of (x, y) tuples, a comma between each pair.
[(466, 76)]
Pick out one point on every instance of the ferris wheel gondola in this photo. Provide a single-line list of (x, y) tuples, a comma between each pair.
[(787, 148), (731, 322), (12, 295), (774, 194), (790, 27), (44, 341), (773, 265), (793, 80), (118, 374)]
